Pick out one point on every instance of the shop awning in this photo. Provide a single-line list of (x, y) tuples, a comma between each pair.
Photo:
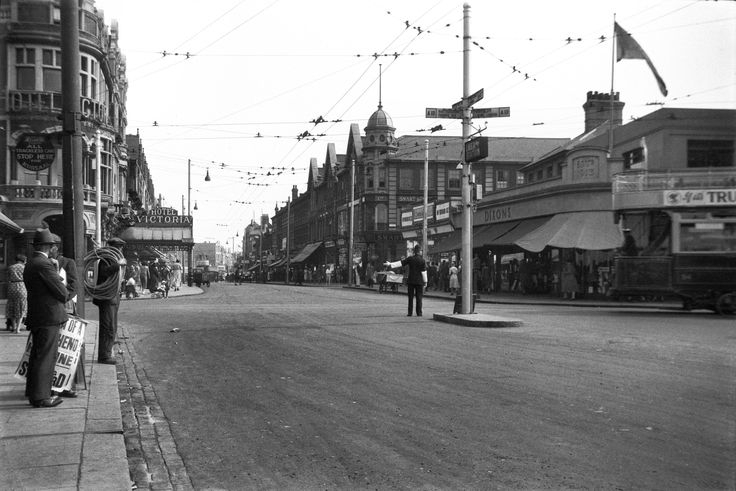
[(9, 224), (278, 263), (254, 267), (587, 230), (514, 231), (308, 250), (450, 243)]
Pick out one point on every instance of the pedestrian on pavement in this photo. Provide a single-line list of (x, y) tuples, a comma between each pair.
[(454, 281), (176, 270), (568, 280), (144, 276), (47, 296), (17, 306), (416, 279), (68, 272), (108, 302)]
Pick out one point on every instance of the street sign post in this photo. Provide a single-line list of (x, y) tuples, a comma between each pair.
[(491, 112), (443, 113), (472, 99)]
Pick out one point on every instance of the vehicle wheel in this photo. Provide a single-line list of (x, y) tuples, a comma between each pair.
[(726, 304)]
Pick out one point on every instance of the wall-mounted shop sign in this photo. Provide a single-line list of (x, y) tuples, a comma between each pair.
[(418, 213), (499, 214), (406, 219), (35, 152), (163, 217), (700, 197)]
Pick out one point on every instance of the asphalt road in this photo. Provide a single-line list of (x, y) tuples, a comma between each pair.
[(283, 387)]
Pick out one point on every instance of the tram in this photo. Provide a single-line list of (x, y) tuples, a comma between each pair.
[(683, 229)]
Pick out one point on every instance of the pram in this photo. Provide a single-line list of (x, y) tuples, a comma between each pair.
[(389, 279), (162, 291)]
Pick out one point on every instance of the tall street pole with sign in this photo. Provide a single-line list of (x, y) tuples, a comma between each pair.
[(474, 150), (73, 192)]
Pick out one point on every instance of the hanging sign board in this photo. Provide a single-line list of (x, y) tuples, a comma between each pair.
[(476, 149)]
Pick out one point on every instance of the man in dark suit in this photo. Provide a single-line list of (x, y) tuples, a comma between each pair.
[(68, 271), (109, 269), (417, 278), (47, 295)]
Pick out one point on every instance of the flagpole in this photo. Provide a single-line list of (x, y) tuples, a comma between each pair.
[(613, 64)]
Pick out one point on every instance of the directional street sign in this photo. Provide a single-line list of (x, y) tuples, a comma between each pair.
[(472, 99), (491, 112), (443, 112)]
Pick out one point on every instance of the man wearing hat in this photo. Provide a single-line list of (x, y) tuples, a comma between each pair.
[(629, 247), (47, 296), (109, 270)]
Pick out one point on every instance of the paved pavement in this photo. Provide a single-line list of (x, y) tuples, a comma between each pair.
[(80, 444), (76, 445)]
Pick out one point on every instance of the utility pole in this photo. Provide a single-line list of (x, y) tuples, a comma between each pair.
[(352, 222), (426, 197), (288, 238), (467, 232), (73, 192)]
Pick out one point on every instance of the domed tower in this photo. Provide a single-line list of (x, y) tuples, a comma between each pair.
[(379, 133)]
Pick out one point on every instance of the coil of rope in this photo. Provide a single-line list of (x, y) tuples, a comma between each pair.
[(110, 288)]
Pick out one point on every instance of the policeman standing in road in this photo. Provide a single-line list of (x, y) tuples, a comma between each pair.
[(417, 278)]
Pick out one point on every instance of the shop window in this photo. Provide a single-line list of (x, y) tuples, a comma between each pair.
[(710, 153), (106, 166)]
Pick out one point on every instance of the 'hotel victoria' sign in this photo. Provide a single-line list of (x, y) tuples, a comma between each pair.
[(163, 217)]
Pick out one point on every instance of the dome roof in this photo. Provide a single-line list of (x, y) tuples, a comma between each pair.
[(379, 119)]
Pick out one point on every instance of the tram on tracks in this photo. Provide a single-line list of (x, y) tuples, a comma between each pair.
[(682, 228)]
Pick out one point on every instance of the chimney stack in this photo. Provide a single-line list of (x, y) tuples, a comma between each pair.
[(294, 193), (597, 109)]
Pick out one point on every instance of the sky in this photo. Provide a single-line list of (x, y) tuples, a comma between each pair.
[(228, 85)]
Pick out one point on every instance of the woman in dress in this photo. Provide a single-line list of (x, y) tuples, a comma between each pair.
[(454, 284), (17, 306)]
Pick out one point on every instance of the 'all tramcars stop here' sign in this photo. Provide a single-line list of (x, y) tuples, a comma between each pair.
[(35, 152)]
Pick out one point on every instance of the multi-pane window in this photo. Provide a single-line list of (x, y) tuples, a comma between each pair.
[(519, 178), (381, 217), (25, 68), (106, 166), (710, 153), (632, 157), (369, 177), (432, 178), (502, 179), (88, 23), (33, 12), (453, 179), (88, 77), (381, 177), (51, 66)]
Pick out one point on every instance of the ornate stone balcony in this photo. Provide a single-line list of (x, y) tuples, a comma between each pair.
[(33, 192)]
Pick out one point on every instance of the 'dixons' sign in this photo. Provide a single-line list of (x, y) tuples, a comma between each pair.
[(35, 152)]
